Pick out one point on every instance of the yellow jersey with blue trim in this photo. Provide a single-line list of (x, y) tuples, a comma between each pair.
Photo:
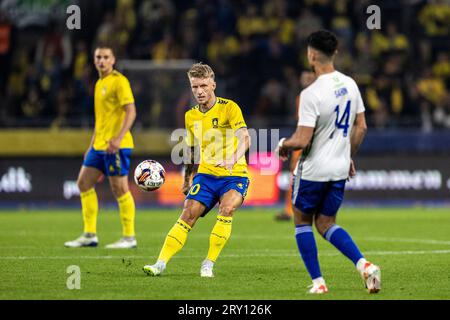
[(112, 93), (214, 132)]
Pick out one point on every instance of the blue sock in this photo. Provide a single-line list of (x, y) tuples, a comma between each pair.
[(343, 242), (308, 249)]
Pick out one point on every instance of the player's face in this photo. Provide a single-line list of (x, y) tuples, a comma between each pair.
[(104, 60), (203, 89)]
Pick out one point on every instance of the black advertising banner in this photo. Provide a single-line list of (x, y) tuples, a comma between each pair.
[(402, 178), (52, 181)]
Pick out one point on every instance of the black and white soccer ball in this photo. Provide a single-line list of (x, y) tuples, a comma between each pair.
[(149, 175)]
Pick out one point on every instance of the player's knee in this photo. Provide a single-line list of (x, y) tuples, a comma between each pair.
[(190, 214), (226, 210), (320, 228), (322, 225), (301, 218), (119, 190), (83, 185), (189, 217)]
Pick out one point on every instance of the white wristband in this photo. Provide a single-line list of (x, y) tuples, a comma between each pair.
[(280, 143)]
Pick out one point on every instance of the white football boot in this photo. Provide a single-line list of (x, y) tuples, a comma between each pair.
[(122, 244), (82, 241), (318, 286), (371, 275), (156, 269), (206, 270)]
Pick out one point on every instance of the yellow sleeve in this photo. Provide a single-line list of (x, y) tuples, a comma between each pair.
[(189, 133), (235, 117), (124, 93)]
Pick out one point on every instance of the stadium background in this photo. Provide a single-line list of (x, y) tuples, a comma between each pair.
[(257, 49)]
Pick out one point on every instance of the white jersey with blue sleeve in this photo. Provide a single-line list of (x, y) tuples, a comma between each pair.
[(329, 105)]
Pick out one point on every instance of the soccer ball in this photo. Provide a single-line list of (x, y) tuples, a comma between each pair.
[(149, 175)]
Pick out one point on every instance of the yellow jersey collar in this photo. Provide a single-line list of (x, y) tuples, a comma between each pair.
[(114, 72), (215, 103)]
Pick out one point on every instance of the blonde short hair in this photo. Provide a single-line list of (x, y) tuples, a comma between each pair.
[(200, 70)]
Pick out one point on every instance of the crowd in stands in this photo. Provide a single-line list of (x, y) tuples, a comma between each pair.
[(257, 49)]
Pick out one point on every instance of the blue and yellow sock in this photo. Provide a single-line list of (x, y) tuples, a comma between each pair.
[(339, 238), (308, 249)]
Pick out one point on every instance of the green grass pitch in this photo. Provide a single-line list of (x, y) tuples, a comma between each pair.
[(260, 261)]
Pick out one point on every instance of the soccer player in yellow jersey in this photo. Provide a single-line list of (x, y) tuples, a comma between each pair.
[(109, 152), (217, 127)]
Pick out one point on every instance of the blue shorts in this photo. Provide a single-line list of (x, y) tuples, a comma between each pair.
[(312, 197), (111, 164), (208, 189)]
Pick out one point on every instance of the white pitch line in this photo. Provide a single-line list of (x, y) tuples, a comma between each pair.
[(239, 236), (265, 237), (332, 254), (407, 240), (380, 239), (408, 252), (253, 255)]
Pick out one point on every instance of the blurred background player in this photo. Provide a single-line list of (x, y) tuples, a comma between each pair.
[(306, 78), (109, 152), (330, 130), (217, 126)]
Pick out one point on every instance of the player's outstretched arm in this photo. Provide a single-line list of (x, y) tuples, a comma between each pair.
[(358, 132), (130, 116), (299, 140)]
